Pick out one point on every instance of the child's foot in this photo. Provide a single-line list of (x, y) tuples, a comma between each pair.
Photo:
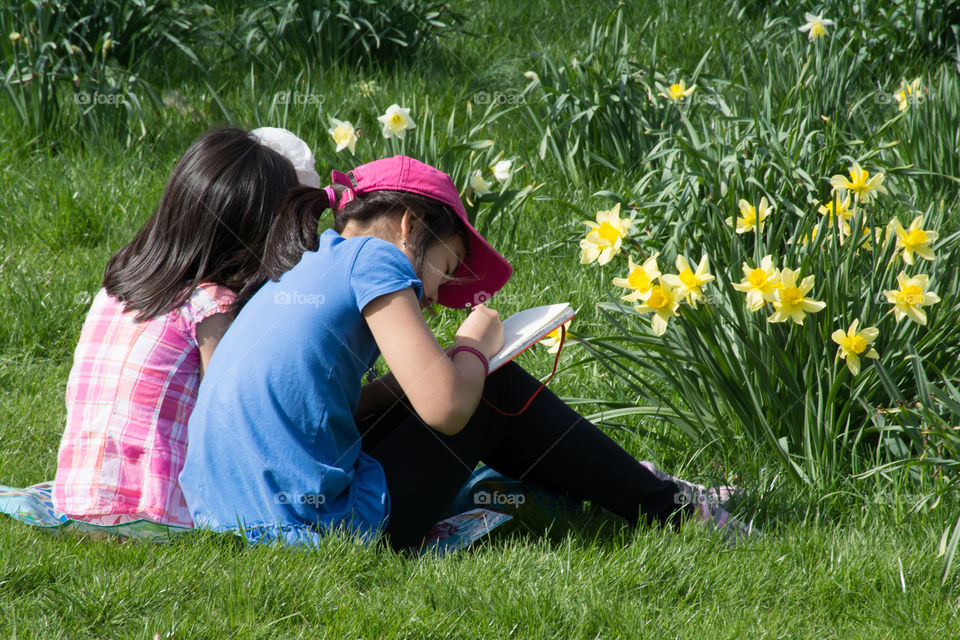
[(714, 517), (720, 494)]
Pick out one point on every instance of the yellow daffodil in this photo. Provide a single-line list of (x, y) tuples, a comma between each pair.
[(501, 170), (854, 344), (910, 298), (663, 302), (639, 278), (908, 93), (760, 284), (687, 282), (678, 92), (843, 212), (552, 339), (606, 234), (791, 301), (914, 240), (396, 121), (344, 135), (816, 25), (480, 186), (15, 36), (867, 235), (810, 237), (751, 219), (860, 183)]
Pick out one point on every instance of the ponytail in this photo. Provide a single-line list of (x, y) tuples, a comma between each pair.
[(293, 233)]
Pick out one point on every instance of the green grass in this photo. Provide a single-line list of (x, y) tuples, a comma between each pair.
[(859, 561)]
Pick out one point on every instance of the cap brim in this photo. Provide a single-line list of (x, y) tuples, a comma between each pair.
[(482, 274)]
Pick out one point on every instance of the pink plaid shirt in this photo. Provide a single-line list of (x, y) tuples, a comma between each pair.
[(129, 395)]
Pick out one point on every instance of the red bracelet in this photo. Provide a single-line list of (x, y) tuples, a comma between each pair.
[(483, 359)]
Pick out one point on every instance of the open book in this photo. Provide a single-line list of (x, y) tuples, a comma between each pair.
[(525, 328)]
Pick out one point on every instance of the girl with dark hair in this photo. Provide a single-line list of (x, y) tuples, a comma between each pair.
[(167, 298), (285, 442)]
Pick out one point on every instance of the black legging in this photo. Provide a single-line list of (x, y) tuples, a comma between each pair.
[(549, 445)]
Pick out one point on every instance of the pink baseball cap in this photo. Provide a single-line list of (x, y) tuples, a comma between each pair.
[(483, 271)]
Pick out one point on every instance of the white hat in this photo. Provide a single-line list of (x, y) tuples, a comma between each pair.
[(293, 149)]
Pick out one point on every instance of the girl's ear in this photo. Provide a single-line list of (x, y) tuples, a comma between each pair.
[(408, 223)]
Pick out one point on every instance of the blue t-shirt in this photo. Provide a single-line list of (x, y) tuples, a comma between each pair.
[(273, 447)]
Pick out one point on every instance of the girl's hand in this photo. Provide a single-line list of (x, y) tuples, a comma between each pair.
[(443, 394), (482, 330)]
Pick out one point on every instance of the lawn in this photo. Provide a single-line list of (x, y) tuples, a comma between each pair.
[(852, 478)]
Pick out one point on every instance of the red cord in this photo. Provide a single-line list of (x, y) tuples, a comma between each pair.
[(563, 334)]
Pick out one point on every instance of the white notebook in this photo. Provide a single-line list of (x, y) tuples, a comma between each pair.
[(525, 328)]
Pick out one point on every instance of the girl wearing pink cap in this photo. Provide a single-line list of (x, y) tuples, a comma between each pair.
[(287, 444)]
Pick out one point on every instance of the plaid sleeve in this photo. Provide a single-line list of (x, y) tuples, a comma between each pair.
[(208, 299)]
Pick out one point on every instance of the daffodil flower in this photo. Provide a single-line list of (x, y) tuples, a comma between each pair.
[(854, 343), (910, 298), (663, 302), (15, 36), (810, 237), (344, 135), (606, 234), (843, 212), (501, 170), (907, 90), (480, 186), (816, 25), (791, 301), (687, 282), (552, 339), (867, 235), (678, 92), (860, 183), (751, 219), (396, 121), (639, 278), (914, 240), (760, 284)]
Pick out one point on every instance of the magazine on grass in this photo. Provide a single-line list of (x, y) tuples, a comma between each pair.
[(525, 328)]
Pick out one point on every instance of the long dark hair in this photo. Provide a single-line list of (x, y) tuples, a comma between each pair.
[(294, 231), (211, 225)]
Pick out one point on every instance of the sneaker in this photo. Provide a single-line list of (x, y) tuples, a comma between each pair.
[(711, 515), (721, 495)]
